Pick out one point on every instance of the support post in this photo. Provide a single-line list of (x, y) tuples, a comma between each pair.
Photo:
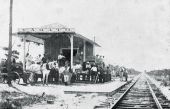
[(84, 50), (24, 61), (71, 41), (94, 50)]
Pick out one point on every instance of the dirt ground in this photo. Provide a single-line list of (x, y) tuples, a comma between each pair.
[(53, 96)]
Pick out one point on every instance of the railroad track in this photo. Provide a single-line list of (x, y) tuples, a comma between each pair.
[(164, 102), (139, 94)]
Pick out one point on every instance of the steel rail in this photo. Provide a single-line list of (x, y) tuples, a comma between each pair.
[(119, 99), (154, 96)]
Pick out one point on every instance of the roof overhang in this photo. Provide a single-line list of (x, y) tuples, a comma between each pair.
[(30, 38), (86, 39), (40, 37)]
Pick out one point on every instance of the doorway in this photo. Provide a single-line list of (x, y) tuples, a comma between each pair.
[(67, 53)]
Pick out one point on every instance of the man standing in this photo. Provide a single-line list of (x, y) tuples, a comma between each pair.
[(126, 74), (108, 74), (121, 71), (93, 72), (88, 67), (61, 59), (101, 74)]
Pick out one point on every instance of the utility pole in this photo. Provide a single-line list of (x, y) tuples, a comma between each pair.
[(10, 42)]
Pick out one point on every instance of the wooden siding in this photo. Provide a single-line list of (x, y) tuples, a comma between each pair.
[(54, 44), (89, 50)]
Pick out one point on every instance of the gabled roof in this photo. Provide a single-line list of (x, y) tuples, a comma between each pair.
[(43, 32), (54, 25), (51, 28)]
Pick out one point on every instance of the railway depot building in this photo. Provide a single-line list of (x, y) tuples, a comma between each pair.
[(58, 39)]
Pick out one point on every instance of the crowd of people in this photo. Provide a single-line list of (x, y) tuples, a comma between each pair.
[(93, 72), (60, 71)]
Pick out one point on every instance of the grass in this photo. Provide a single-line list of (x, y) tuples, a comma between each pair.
[(16, 100)]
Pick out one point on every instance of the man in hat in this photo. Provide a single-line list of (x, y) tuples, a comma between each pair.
[(88, 67), (61, 60), (93, 72)]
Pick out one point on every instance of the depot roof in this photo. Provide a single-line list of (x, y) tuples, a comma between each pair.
[(39, 34)]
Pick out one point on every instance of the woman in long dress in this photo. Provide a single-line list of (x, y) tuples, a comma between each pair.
[(67, 74)]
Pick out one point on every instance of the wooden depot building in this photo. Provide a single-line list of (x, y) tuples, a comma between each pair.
[(57, 39)]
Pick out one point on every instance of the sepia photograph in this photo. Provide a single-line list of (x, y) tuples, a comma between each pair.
[(84, 54)]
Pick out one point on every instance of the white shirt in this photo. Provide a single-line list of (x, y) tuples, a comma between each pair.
[(61, 69), (88, 66), (60, 56), (94, 69), (53, 64), (78, 66)]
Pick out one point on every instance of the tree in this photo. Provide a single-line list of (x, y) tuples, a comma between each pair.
[(15, 53)]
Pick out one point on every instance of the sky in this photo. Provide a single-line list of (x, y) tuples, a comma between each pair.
[(132, 33)]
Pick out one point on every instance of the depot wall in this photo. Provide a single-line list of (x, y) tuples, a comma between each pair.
[(53, 46)]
